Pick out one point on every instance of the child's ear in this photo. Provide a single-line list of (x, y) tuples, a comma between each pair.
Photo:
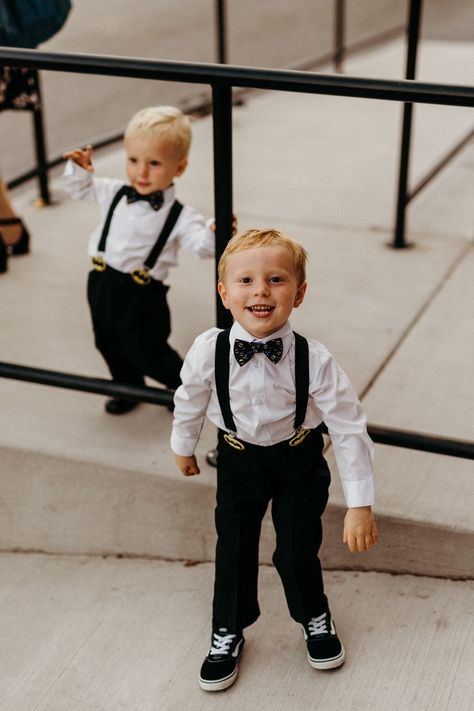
[(182, 165), (301, 291), (223, 294)]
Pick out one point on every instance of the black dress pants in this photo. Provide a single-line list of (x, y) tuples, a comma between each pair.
[(296, 480), (131, 327)]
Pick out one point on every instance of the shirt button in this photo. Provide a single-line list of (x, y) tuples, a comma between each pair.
[(258, 364)]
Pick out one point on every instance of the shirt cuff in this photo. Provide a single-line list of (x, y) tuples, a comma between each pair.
[(184, 446), (359, 492)]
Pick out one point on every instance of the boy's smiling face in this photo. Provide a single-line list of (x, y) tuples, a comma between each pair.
[(261, 289), (151, 164)]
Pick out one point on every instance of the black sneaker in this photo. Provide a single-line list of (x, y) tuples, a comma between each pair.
[(325, 651), (119, 406), (221, 666)]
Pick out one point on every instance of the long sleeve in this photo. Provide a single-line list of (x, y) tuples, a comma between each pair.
[(192, 397), (195, 234), (80, 184), (340, 409)]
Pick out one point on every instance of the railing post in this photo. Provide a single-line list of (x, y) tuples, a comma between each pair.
[(402, 202), (222, 129), (40, 150), (221, 31), (339, 34)]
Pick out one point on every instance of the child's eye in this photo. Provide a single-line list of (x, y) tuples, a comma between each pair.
[(132, 160), (154, 163), (246, 280), (275, 279)]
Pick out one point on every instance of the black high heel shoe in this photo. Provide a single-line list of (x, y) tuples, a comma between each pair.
[(3, 256), (22, 245)]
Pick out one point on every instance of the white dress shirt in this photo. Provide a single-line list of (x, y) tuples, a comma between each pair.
[(262, 399), (135, 227)]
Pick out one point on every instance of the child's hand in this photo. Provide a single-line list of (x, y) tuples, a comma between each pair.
[(234, 226), (187, 465), (360, 529), (82, 157)]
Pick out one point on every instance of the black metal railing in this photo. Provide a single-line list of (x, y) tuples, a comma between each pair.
[(405, 195), (157, 396), (340, 49), (222, 79)]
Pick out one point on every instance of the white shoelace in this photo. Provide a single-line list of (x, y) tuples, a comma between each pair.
[(318, 625), (221, 643)]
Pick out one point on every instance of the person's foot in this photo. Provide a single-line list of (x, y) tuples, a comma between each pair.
[(15, 235), (221, 666), (325, 651), (118, 406)]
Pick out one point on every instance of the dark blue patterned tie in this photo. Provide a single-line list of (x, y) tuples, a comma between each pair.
[(155, 199), (244, 351)]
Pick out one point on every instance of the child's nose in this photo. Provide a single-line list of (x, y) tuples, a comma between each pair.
[(261, 287)]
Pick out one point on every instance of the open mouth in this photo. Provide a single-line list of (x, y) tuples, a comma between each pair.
[(260, 310)]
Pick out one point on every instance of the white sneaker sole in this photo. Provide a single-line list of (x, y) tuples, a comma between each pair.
[(332, 663), (219, 684)]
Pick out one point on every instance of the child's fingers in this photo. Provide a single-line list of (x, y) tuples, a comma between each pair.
[(191, 471), (369, 541), (70, 155)]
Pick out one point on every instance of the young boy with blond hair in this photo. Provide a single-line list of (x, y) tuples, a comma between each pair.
[(141, 229), (268, 390)]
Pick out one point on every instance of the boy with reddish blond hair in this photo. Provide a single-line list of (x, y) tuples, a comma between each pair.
[(268, 390)]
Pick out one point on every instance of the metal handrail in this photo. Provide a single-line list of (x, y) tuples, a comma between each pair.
[(247, 77), (201, 104), (157, 396)]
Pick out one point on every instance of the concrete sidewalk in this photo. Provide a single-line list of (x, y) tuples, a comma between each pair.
[(86, 634)]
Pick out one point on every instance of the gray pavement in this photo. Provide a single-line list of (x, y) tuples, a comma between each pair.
[(87, 634), (91, 634)]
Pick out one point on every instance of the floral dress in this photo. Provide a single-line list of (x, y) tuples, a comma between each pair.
[(18, 89)]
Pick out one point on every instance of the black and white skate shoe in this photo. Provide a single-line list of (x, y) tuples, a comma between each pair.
[(221, 666), (325, 651)]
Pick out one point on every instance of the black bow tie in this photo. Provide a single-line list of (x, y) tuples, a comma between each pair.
[(155, 199), (244, 351)]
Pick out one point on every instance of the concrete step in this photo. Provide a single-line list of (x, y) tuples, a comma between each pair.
[(83, 634)]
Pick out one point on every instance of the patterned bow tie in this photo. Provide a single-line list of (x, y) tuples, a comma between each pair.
[(155, 199), (244, 351)]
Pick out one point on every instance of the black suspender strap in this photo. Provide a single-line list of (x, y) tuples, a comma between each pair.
[(117, 197), (222, 378), (301, 378), (171, 220)]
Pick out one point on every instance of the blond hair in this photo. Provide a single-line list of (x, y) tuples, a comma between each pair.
[(164, 123), (265, 238)]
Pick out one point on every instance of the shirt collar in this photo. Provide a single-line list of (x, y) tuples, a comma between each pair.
[(169, 194), (285, 333)]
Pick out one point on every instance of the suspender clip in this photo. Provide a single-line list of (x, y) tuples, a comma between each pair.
[(298, 437), (99, 264), (232, 441), (141, 276)]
